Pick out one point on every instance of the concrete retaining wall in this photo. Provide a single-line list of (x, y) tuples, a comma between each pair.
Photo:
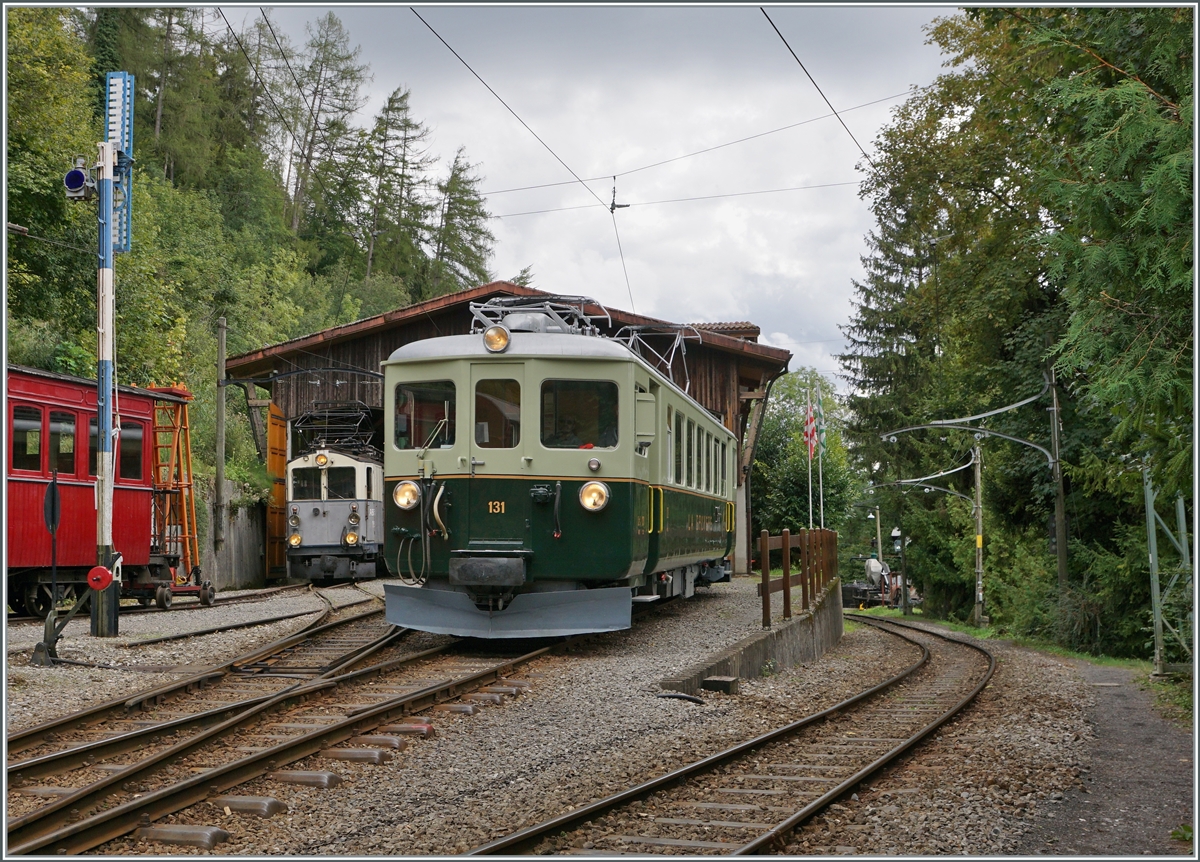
[(803, 638)]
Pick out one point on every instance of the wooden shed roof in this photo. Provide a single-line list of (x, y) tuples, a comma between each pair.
[(730, 338)]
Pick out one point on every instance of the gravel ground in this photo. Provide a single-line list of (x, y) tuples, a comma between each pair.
[(37, 694), (592, 725), (972, 789)]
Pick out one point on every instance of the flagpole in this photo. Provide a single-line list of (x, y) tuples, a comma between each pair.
[(807, 420), (821, 454)]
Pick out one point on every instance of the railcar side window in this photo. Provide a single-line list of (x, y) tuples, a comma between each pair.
[(62, 442), (339, 482), (691, 454), (425, 415), (131, 450), (27, 438), (579, 414), (306, 483), (497, 414), (708, 462), (679, 448), (725, 471), (670, 446)]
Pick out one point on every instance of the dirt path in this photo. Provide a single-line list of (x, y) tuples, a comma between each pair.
[(1140, 784)]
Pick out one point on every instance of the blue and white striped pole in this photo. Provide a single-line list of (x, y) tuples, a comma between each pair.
[(105, 602)]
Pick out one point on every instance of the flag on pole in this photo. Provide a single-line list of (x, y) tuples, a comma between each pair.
[(820, 422), (810, 430)]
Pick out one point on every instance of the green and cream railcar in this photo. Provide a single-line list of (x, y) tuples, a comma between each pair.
[(538, 482)]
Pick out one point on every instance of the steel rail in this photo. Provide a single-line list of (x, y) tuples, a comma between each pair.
[(58, 762), (526, 839), (776, 832), (23, 739), (256, 596), (25, 837)]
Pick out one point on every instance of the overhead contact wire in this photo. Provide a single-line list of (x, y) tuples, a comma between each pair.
[(578, 179), (814, 83)]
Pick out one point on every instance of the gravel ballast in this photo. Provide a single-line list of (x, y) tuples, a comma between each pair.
[(592, 725)]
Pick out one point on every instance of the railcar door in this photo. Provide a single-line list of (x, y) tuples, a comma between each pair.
[(498, 501)]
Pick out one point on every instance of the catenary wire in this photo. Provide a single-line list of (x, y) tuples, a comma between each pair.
[(703, 151), (282, 53), (591, 191), (682, 200), (814, 83)]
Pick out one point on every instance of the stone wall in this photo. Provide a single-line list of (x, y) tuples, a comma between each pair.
[(803, 638)]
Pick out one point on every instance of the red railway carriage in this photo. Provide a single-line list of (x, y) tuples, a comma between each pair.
[(51, 424)]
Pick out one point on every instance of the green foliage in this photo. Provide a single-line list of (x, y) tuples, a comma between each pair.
[(779, 482), (284, 224), (1034, 206)]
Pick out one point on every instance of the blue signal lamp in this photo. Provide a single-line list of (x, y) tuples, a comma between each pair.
[(78, 183)]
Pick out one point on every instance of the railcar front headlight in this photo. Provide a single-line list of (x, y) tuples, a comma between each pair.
[(593, 496), (495, 339), (294, 521), (353, 519), (322, 460), (406, 494), (294, 540), (352, 538)]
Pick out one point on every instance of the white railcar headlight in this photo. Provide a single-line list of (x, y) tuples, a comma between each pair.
[(495, 339), (322, 460), (353, 519), (294, 520), (406, 494), (593, 496)]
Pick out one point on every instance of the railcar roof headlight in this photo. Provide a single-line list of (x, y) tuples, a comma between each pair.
[(406, 494), (353, 519), (495, 339), (322, 460), (593, 496), (294, 520), (294, 540), (352, 538)]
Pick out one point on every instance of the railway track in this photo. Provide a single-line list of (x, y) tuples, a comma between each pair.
[(747, 798), (327, 710), (182, 604)]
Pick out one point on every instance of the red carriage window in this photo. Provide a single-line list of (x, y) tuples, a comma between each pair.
[(62, 442), (131, 450), (27, 438), (93, 433)]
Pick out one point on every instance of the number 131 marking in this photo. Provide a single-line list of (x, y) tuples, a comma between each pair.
[(495, 507)]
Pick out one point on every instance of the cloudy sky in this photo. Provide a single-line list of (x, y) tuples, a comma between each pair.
[(615, 90)]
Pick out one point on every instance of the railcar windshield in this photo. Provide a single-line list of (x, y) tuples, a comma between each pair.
[(306, 483), (497, 414), (425, 415), (340, 483), (579, 414)]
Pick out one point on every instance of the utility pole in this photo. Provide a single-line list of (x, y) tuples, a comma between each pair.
[(878, 536), (219, 491), (1060, 509), (978, 536), (904, 605)]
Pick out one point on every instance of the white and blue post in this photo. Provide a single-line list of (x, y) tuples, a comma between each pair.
[(113, 173)]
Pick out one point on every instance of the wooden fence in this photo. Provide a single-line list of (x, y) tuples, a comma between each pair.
[(817, 567)]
